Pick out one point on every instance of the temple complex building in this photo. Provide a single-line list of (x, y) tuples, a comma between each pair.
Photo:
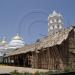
[(56, 51)]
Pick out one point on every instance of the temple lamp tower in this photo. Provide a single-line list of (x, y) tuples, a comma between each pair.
[(55, 23)]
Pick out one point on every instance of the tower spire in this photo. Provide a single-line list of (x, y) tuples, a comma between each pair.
[(54, 12)]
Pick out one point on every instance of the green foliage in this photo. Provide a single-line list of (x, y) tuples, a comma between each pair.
[(68, 69), (53, 72), (47, 73), (73, 70), (40, 73), (15, 72), (26, 73)]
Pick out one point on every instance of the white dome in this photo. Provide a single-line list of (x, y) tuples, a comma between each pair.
[(16, 42), (17, 37), (4, 42), (3, 46)]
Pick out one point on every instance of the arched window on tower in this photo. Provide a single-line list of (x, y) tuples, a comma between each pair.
[(59, 21), (51, 27), (55, 20), (60, 27), (55, 27), (51, 21)]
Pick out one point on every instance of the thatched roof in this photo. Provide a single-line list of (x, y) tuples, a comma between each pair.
[(48, 41)]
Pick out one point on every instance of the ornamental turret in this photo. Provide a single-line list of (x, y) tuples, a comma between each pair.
[(55, 23)]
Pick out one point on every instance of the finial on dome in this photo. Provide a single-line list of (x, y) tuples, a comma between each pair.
[(17, 37), (54, 12), (4, 40)]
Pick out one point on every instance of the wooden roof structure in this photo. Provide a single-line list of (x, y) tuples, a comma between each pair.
[(48, 41)]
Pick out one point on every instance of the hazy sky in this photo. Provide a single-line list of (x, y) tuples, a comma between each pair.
[(29, 17)]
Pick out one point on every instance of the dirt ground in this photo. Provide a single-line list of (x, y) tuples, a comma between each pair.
[(8, 69)]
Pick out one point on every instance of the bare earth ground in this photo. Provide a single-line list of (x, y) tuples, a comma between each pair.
[(8, 69)]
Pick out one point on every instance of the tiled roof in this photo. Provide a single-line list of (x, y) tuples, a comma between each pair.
[(49, 41)]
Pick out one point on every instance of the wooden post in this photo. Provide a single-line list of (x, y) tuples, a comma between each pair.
[(32, 60), (48, 57)]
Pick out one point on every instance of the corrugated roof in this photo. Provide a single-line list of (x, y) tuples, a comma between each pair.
[(48, 41)]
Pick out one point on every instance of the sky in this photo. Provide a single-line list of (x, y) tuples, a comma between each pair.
[(29, 18)]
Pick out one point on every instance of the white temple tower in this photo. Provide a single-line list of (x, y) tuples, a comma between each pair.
[(3, 44), (3, 48), (55, 23)]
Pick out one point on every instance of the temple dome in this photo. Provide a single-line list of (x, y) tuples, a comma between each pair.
[(17, 37), (16, 42), (4, 42), (3, 45)]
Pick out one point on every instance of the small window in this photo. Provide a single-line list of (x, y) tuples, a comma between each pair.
[(55, 20), (51, 27), (60, 26), (55, 27), (59, 21), (51, 21)]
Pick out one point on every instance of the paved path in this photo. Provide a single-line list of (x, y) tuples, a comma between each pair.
[(8, 69)]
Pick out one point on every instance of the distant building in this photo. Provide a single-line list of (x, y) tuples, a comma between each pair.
[(16, 42), (7, 47), (3, 48), (54, 52)]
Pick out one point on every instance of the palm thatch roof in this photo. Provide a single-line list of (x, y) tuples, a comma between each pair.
[(49, 41)]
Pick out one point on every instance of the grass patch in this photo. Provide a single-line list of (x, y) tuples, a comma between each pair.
[(36, 73), (51, 72), (15, 72)]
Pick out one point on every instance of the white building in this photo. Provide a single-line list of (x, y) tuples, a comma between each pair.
[(3, 48), (6, 47), (16, 42)]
